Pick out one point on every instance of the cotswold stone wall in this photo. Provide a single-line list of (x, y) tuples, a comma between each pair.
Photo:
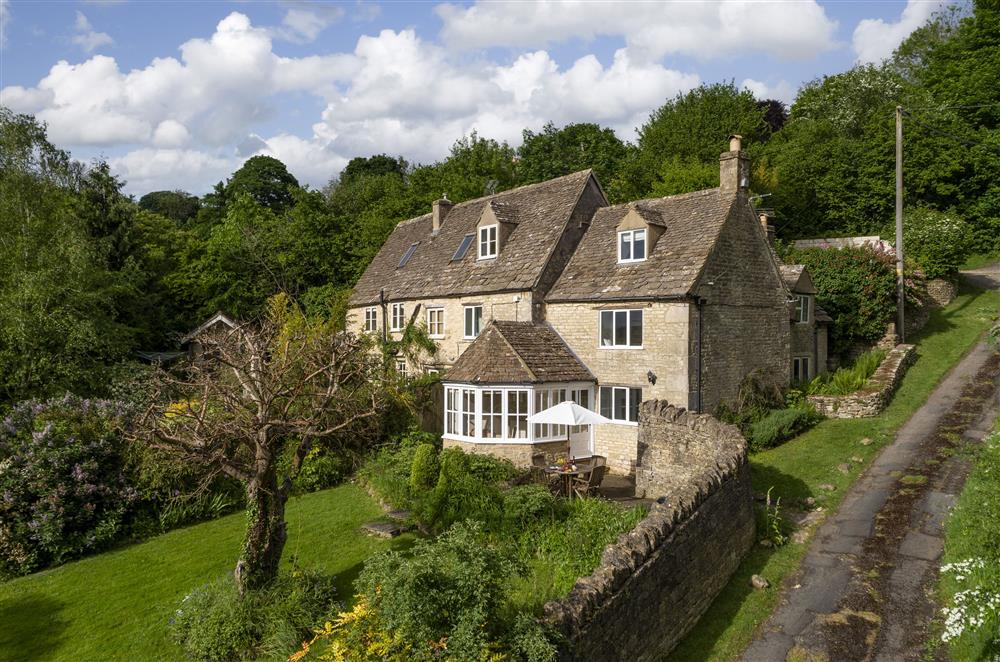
[(877, 392), (654, 584)]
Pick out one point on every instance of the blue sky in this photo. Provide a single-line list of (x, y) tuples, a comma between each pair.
[(178, 94)]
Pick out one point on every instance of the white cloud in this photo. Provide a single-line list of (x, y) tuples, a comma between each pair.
[(782, 90), (874, 39), (305, 21), (702, 29), (394, 93), (86, 37), (4, 20)]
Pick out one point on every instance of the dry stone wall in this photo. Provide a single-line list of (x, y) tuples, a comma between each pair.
[(654, 584), (877, 392)]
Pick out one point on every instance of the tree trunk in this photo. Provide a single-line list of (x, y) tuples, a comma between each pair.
[(266, 532)]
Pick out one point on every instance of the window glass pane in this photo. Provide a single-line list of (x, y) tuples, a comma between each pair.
[(463, 248), (607, 328), (625, 246), (639, 245), (620, 409), (635, 399), (606, 402), (469, 412), (477, 320), (468, 323), (621, 327), (635, 328)]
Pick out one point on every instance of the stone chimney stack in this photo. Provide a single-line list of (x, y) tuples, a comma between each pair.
[(734, 167), (439, 210), (765, 222)]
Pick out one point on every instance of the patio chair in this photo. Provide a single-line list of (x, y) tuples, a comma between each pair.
[(589, 483)]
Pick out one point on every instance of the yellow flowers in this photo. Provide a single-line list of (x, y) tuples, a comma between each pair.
[(354, 636)]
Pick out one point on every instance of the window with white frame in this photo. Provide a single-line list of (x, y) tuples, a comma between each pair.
[(452, 408), (473, 321), (803, 304), (621, 329), (401, 367), (487, 241), (800, 368), (398, 317), (371, 319), (581, 397), (517, 414), (468, 412), (632, 246), (435, 322), (492, 418), (621, 403)]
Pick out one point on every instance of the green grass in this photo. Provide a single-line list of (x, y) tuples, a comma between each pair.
[(981, 260), (797, 469), (115, 606), (972, 532)]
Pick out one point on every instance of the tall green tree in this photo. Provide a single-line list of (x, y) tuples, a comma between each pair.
[(179, 206), (60, 328), (555, 152), (266, 180), (691, 127)]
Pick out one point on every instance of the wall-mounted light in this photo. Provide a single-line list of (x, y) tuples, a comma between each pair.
[(651, 377)]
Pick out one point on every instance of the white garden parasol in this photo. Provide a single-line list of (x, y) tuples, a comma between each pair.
[(568, 413)]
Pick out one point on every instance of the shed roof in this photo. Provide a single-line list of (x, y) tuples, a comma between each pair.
[(540, 212), (518, 353)]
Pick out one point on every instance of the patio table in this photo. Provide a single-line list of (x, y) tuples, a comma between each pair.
[(567, 476)]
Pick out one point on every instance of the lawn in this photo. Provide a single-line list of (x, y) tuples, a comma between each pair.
[(797, 469), (115, 606), (971, 560)]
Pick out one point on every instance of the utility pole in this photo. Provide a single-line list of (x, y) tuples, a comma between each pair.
[(900, 282)]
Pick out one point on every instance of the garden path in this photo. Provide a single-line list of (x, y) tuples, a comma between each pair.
[(865, 589)]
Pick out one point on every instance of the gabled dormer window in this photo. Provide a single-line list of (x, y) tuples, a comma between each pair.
[(632, 246), (487, 242)]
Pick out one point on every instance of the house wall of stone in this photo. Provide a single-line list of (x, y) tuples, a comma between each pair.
[(745, 313), (522, 455), (802, 337), (514, 306), (590, 201), (664, 353), (656, 582)]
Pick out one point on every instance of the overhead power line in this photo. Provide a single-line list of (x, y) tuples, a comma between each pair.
[(947, 134)]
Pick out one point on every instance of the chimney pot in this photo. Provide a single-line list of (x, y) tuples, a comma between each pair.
[(765, 222), (439, 210), (735, 143)]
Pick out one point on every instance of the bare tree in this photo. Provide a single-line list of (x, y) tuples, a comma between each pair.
[(260, 390)]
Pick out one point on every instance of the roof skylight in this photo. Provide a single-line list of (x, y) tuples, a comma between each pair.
[(408, 254), (463, 248)]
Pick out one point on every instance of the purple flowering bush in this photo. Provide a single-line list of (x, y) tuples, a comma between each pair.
[(64, 486)]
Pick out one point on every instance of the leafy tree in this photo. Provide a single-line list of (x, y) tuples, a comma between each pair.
[(678, 175), (474, 168), (60, 328), (692, 127), (107, 213), (556, 152), (179, 206), (266, 180), (283, 386), (379, 164)]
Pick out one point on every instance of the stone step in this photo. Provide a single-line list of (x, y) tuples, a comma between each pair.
[(382, 529), (400, 515)]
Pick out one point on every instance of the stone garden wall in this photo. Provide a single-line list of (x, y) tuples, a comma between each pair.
[(877, 392), (654, 584)]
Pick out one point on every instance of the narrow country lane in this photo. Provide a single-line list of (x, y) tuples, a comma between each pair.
[(865, 590)]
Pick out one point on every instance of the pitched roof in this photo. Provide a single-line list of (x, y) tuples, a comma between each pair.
[(793, 275), (539, 211), (518, 353), (692, 223), (220, 317)]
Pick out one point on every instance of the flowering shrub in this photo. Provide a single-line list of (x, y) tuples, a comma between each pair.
[(63, 485), (857, 287), (937, 242)]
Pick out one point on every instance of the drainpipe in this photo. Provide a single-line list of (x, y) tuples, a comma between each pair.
[(700, 302), (385, 310)]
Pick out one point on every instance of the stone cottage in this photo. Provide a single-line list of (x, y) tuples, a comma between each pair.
[(547, 293)]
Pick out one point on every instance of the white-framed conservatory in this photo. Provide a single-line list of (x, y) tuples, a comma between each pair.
[(498, 414)]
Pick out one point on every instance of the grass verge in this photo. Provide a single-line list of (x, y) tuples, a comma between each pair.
[(797, 469), (970, 573), (115, 606)]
